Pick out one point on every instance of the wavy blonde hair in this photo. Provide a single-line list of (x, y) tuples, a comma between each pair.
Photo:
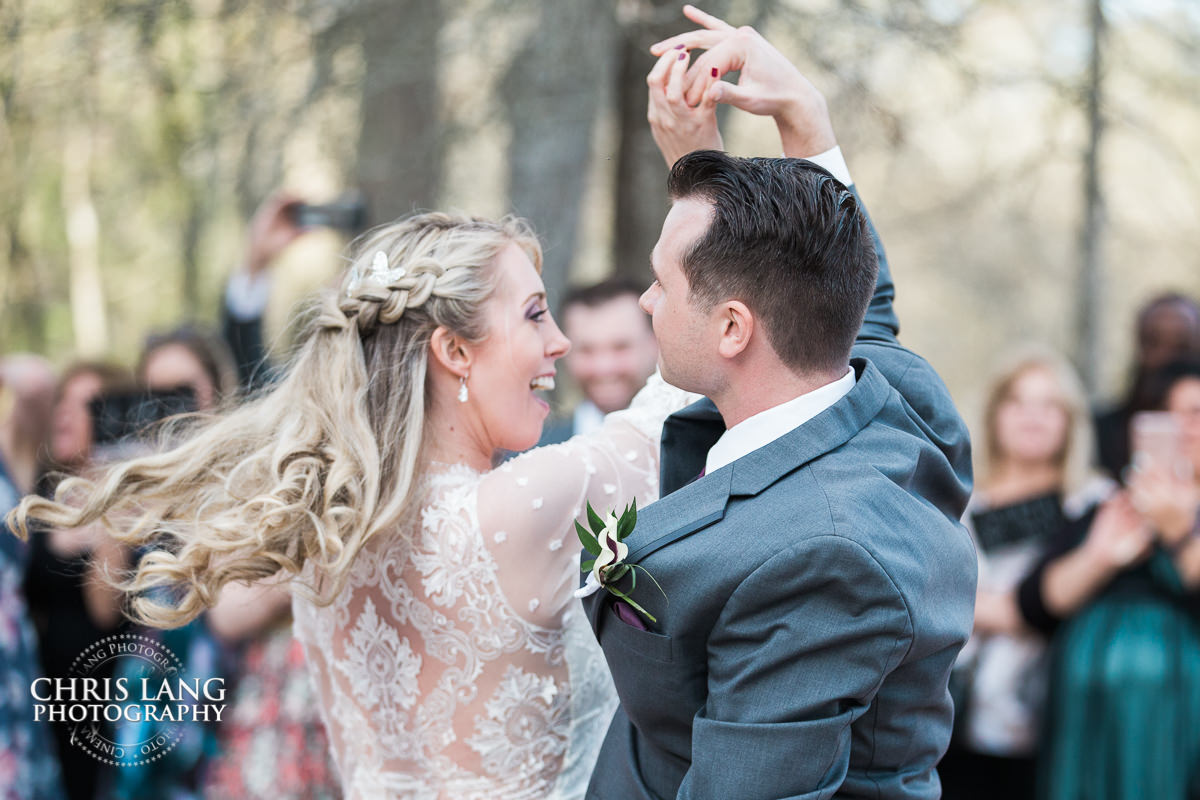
[(322, 463), (1075, 458)]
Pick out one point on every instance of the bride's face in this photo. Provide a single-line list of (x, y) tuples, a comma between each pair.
[(516, 361)]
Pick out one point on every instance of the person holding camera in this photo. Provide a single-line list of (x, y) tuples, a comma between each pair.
[(1119, 591), (26, 395), (69, 611), (1033, 473)]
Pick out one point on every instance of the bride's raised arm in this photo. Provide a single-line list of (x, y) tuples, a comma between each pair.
[(528, 506)]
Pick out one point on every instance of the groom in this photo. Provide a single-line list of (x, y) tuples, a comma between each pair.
[(816, 585)]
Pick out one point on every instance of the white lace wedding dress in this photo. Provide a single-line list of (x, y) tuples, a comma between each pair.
[(461, 666)]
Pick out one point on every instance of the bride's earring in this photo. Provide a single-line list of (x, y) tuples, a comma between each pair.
[(462, 389)]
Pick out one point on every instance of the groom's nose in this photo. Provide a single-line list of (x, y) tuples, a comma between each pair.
[(646, 301)]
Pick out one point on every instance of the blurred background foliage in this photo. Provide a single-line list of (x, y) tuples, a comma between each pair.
[(1032, 166)]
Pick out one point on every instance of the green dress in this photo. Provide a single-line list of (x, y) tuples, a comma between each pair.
[(1122, 720)]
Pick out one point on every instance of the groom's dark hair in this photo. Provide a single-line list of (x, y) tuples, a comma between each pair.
[(788, 240)]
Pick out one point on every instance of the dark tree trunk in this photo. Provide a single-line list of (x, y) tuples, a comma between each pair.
[(553, 94), (399, 147), (641, 196)]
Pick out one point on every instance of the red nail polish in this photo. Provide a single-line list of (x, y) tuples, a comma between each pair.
[(682, 56), (714, 72), (678, 47)]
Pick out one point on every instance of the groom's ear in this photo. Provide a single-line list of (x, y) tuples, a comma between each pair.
[(450, 351), (737, 328)]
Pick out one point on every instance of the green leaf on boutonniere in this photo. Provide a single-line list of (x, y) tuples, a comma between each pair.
[(588, 540), (594, 520), (587, 565), (627, 522)]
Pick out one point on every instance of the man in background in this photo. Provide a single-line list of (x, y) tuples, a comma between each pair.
[(613, 352)]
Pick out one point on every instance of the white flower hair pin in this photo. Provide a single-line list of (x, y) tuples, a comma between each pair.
[(379, 272)]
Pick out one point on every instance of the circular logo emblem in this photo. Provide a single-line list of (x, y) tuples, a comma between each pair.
[(127, 700)]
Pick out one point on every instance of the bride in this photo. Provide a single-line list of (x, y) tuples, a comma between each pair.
[(433, 594)]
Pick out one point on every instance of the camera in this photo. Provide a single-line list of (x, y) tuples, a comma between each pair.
[(120, 419), (347, 214)]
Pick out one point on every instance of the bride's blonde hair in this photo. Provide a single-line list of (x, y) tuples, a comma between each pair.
[(324, 462)]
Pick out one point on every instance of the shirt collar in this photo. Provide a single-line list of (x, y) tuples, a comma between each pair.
[(588, 418), (767, 426)]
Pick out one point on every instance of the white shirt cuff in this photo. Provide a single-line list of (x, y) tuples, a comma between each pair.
[(246, 295), (833, 161)]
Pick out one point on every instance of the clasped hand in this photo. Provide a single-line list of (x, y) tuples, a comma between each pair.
[(684, 93)]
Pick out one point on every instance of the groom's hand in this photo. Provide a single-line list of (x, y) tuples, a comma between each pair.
[(679, 128), (769, 84)]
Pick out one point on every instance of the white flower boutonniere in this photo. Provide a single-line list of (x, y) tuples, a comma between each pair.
[(605, 542)]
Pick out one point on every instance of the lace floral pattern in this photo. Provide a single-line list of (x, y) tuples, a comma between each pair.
[(522, 731), (456, 663)]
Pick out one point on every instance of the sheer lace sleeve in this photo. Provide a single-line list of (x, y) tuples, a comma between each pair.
[(528, 506)]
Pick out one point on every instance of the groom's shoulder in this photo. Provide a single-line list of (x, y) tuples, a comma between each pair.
[(883, 489)]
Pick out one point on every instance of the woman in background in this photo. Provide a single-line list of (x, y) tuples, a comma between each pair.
[(1034, 473), (29, 767), (1119, 590), (71, 612)]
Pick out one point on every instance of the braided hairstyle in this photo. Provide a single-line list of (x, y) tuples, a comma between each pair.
[(308, 473)]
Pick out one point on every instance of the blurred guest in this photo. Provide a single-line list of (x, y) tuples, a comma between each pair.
[(1168, 328), (68, 613), (189, 357), (1033, 474), (1120, 592), (28, 383), (193, 358), (272, 229), (29, 766), (613, 352), (272, 743)]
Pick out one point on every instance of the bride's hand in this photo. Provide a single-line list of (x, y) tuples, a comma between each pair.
[(769, 84), (679, 128)]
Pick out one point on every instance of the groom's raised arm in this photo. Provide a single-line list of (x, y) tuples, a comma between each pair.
[(682, 119), (880, 323), (771, 85)]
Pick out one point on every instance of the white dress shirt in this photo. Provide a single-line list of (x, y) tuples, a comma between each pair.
[(587, 418), (767, 426), (247, 295), (835, 162)]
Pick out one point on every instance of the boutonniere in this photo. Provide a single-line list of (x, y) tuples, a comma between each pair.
[(605, 542)]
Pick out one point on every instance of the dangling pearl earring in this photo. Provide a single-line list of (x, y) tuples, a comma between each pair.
[(462, 389)]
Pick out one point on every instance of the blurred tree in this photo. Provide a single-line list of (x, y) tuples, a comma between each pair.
[(969, 124), (554, 91), (400, 148)]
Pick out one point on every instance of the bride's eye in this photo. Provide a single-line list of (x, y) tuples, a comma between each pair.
[(538, 314)]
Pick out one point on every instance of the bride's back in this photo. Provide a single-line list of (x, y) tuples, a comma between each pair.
[(435, 683)]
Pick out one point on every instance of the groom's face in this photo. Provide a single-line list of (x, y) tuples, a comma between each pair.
[(683, 329)]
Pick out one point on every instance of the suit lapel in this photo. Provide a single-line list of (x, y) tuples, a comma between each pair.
[(702, 503), (687, 437), (699, 504)]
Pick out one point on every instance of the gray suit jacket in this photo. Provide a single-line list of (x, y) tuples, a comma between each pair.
[(817, 592)]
